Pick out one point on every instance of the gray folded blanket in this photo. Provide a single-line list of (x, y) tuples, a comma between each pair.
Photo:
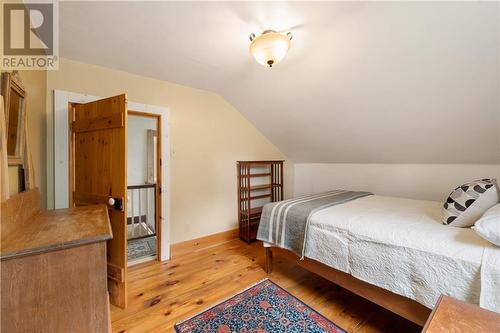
[(285, 223)]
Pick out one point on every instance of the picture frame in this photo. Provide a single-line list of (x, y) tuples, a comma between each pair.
[(14, 95)]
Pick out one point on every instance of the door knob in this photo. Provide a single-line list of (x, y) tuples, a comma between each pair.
[(116, 203)]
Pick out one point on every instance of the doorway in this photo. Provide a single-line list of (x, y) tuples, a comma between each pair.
[(59, 166), (143, 187)]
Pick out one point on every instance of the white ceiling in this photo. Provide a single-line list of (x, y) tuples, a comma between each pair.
[(364, 82)]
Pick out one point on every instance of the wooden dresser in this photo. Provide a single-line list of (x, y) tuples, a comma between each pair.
[(453, 316), (53, 266)]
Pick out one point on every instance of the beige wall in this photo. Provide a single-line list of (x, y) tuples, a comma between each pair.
[(207, 137), (13, 174)]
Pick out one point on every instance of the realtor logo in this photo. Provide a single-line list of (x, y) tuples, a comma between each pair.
[(30, 36)]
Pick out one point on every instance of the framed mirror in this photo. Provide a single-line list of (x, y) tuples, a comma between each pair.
[(152, 148), (14, 96)]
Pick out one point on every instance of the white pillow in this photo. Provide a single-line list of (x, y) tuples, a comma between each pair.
[(465, 204), (488, 225)]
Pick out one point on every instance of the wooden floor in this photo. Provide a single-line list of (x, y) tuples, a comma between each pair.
[(162, 294)]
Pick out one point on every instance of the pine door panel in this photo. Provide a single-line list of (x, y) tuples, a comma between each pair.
[(98, 154)]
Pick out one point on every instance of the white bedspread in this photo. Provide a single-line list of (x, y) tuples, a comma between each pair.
[(401, 245)]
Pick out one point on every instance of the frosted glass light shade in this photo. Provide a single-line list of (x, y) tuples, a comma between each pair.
[(269, 48)]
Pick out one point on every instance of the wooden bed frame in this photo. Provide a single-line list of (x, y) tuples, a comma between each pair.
[(400, 305)]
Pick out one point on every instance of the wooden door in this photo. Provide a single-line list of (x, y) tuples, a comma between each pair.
[(98, 175)]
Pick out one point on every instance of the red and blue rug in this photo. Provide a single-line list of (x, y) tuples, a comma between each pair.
[(263, 308)]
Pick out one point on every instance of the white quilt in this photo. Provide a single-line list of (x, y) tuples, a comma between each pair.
[(401, 245)]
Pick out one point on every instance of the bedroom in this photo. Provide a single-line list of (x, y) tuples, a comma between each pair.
[(397, 103)]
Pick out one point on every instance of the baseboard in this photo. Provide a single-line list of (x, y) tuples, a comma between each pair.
[(198, 244)]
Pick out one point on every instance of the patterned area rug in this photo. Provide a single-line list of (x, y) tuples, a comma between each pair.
[(142, 247), (265, 307)]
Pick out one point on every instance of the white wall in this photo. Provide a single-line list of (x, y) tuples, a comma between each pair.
[(137, 145), (416, 181)]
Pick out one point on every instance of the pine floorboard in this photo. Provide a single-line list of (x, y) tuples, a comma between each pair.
[(162, 294)]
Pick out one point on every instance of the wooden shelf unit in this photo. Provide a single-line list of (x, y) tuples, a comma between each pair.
[(259, 182)]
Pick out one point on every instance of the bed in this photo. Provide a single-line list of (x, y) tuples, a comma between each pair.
[(393, 251)]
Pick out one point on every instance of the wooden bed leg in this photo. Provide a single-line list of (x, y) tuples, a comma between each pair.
[(269, 260)]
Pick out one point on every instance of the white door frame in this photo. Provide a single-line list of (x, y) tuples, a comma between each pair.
[(61, 155)]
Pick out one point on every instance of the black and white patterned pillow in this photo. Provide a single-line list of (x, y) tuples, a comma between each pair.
[(465, 204)]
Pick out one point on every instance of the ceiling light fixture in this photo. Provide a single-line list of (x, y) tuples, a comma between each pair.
[(270, 48)]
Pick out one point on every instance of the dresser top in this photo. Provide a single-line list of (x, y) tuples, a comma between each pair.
[(452, 315), (50, 230)]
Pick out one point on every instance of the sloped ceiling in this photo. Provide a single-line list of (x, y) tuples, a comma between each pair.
[(364, 82)]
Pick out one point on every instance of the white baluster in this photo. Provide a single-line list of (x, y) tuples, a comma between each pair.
[(140, 213)]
